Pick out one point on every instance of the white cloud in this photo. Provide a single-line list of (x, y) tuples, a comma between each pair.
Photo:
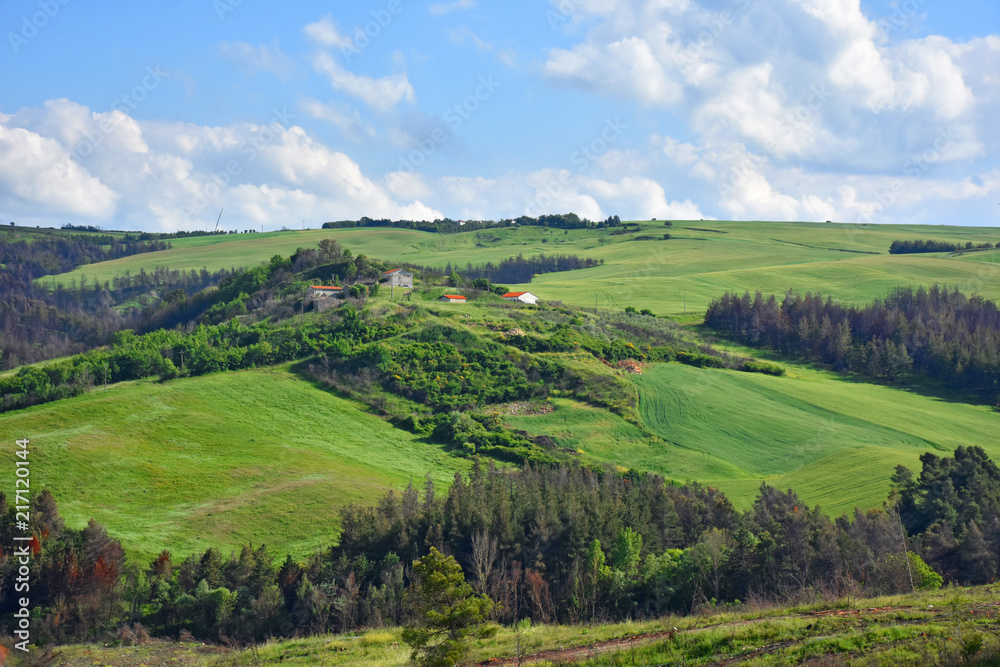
[(808, 92), (325, 33), (65, 161), (626, 67), (380, 94), (38, 174), (263, 57)]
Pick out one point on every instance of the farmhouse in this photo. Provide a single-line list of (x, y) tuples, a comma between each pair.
[(452, 298), (321, 292), (398, 278), (523, 297)]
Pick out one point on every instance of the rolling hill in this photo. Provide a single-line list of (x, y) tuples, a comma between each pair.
[(701, 260), (834, 441), (217, 460)]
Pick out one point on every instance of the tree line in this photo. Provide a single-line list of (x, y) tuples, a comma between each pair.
[(449, 226), (930, 245), (37, 323), (937, 334), (521, 269), (550, 543)]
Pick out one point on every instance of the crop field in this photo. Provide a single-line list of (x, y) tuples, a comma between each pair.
[(217, 460), (701, 260)]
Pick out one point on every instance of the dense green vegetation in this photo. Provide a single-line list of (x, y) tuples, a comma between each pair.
[(542, 543), (944, 627), (930, 245), (944, 336), (595, 400), (36, 324)]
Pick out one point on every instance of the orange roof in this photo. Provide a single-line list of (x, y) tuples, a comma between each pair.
[(514, 293), (323, 287), (390, 271), (455, 296)]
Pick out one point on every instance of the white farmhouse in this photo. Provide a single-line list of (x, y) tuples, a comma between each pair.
[(523, 297)]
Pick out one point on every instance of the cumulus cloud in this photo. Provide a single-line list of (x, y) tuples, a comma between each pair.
[(809, 93), (64, 160)]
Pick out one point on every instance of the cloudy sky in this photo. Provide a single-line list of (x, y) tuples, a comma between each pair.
[(157, 115)]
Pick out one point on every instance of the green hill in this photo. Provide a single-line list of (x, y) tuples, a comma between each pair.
[(835, 442), (255, 455), (701, 260), (217, 460)]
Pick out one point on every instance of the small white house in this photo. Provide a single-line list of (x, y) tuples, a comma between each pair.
[(398, 278), (321, 292), (523, 297), (452, 298)]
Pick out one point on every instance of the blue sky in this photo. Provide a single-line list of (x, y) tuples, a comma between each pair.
[(155, 116)]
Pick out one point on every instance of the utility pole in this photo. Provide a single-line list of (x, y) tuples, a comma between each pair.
[(906, 556), (105, 376)]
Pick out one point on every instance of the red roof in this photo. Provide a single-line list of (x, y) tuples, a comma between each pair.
[(514, 293), (323, 287), (455, 296), (385, 273)]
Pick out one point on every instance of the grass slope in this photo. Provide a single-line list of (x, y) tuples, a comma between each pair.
[(949, 626), (217, 460), (703, 259), (835, 442)]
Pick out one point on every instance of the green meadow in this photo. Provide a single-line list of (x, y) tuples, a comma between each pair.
[(218, 460), (834, 441), (701, 260)]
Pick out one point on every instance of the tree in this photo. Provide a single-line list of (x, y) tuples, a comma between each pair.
[(445, 611)]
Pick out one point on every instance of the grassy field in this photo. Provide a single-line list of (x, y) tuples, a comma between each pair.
[(217, 460), (700, 261), (949, 626), (834, 441)]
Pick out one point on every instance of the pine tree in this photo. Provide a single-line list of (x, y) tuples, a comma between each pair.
[(446, 612)]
